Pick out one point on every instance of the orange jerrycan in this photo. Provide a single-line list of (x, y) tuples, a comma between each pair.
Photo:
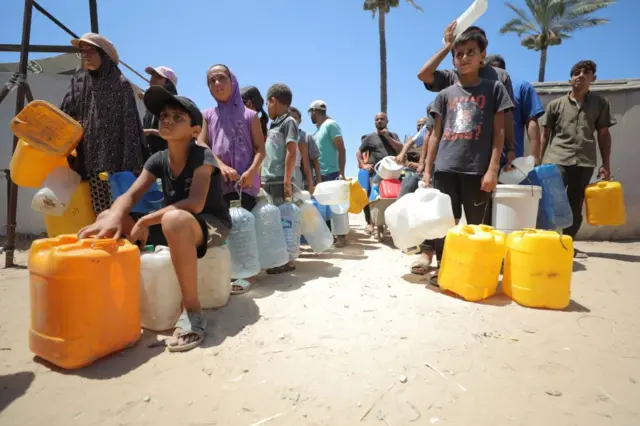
[(85, 299), (45, 127), (538, 268), (605, 204), (30, 166), (78, 215), (358, 198), (471, 261)]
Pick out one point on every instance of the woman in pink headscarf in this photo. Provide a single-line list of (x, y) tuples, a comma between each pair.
[(234, 134)]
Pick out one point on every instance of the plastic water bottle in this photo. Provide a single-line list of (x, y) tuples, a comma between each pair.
[(243, 243), (292, 227), (471, 15), (272, 247), (314, 228)]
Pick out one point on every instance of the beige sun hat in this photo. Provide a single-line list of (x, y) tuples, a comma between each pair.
[(98, 41)]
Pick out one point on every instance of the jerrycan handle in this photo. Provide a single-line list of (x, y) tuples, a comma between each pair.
[(468, 229), (486, 228), (105, 244), (16, 120)]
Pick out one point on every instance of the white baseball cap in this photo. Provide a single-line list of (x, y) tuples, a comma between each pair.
[(321, 105), (164, 72)]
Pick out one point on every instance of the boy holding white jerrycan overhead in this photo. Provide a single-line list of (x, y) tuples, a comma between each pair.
[(196, 216), (468, 136)]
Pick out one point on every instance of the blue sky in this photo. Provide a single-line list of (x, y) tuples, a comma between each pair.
[(323, 50)]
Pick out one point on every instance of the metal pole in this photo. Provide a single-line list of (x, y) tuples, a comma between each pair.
[(54, 20), (13, 189), (93, 13)]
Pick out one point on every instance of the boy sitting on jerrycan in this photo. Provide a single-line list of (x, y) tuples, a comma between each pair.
[(196, 216)]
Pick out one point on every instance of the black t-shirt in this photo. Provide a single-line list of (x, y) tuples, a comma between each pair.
[(378, 146), (177, 188)]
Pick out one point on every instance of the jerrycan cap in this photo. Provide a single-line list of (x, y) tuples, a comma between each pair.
[(235, 204), (149, 248)]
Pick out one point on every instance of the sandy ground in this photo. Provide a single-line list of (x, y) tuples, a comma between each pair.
[(333, 343)]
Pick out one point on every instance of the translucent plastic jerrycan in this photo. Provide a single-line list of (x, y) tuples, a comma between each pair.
[(214, 277), (85, 299), (522, 166), (47, 128), (340, 224), (471, 15), (554, 210), (243, 243), (30, 167), (605, 204), (314, 228), (423, 215), (78, 215), (292, 227), (160, 295), (272, 247), (471, 261), (537, 268), (333, 193), (56, 193)]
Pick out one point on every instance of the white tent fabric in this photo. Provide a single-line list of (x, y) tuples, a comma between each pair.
[(50, 83)]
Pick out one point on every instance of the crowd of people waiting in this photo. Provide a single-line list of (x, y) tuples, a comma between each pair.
[(206, 159)]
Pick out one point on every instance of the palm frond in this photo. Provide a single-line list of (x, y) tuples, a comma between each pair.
[(414, 4)]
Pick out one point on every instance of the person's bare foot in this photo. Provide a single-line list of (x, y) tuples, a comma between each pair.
[(368, 229), (340, 241)]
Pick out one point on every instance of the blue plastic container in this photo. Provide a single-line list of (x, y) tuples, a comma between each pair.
[(325, 211), (554, 211), (120, 183), (375, 192), (363, 180)]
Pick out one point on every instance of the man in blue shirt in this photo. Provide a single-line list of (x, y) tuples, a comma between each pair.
[(525, 116)]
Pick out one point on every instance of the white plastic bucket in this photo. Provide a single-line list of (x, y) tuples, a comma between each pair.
[(388, 168), (515, 207)]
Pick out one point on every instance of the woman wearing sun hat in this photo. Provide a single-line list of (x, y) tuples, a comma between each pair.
[(167, 78), (103, 101)]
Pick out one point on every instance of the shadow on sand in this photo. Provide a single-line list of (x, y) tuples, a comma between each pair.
[(13, 386), (631, 258)]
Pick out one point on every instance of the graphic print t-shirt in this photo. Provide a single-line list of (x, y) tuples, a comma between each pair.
[(177, 188), (467, 125)]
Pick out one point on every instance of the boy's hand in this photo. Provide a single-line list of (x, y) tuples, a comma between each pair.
[(427, 180), (511, 155), (246, 180), (288, 193), (449, 32), (107, 225), (420, 168), (604, 173), (228, 174), (400, 158), (140, 232), (489, 181), (311, 188), (341, 177), (367, 167)]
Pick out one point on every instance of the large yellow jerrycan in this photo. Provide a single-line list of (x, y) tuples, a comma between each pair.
[(30, 167), (358, 199), (78, 215), (85, 298), (605, 204), (537, 269), (45, 127), (471, 261)]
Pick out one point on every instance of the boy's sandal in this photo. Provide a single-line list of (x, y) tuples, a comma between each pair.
[(433, 279), (281, 269), (240, 287), (189, 323), (420, 267)]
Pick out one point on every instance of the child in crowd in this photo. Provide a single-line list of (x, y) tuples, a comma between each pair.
[(569, 138), (310, 154), (281, 146), (196, 216), (253, 100), (234, 134), (165, 77), (468, 137)]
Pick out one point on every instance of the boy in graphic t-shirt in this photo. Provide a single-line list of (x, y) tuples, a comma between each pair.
[(196, 216), (468, 137)]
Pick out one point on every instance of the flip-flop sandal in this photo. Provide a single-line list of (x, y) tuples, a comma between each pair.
[(189, 323), (244, 286), (420, 267), (433, 279), (281, 269)]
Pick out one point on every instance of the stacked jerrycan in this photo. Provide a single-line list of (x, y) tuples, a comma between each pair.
[(471, 261), (272, 247), (85, 298), (47, 137), (423, 215)]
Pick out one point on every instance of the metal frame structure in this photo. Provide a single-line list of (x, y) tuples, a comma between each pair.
[(24, 92)]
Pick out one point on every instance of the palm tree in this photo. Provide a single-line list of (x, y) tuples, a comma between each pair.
[(548, 22), (382, 7)]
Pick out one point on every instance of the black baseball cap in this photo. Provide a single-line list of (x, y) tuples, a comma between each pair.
[(157, 97)]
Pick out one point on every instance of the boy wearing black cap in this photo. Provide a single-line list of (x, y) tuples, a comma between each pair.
[(196, 216)]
